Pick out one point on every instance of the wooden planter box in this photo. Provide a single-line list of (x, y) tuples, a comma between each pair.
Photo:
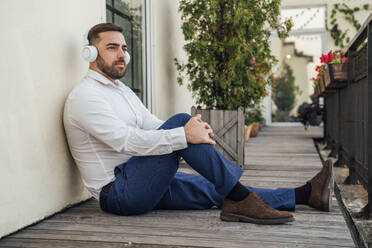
[(336, 75), (323, 90), (317, 90), (321, 84), (228, 128)]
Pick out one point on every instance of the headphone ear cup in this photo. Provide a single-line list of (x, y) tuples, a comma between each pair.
[(127, 58), (89, 53)]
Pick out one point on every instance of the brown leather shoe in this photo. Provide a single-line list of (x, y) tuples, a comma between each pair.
[(253, 210), (320, 196)]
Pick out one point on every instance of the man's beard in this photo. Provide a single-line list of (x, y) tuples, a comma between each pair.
[(111, 71)]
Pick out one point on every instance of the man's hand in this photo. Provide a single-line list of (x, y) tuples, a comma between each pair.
[(206, 125), (198, 132)]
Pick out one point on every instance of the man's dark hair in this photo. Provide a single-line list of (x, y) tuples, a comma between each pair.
[(93, 34)]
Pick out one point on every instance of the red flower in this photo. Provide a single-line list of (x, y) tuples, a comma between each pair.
[(345, 59), (331, 56), (324, 59), (253, 60)]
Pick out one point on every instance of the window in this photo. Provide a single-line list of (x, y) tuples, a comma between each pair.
[(129, 14)]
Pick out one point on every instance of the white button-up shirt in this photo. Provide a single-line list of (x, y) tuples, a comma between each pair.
[(106, 124)]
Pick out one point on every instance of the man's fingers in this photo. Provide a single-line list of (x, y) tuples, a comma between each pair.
[(208, 139), (210, 132), (198, 117), (212, 142)]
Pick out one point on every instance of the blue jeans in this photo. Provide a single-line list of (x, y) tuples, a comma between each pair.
[(145, 183)]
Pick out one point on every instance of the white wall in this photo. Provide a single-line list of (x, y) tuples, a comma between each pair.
[(299, 68), (40, 62), (360, 16), (170, 98)]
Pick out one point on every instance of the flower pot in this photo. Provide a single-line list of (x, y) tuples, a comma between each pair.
[(255, 129), (247, 132), (336, 75)]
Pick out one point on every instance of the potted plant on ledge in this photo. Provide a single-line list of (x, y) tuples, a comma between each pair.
[(336, 69), (229, 62), (253, 120)]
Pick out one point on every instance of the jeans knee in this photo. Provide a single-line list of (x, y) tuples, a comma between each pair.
[(182, 117), (177, 120)]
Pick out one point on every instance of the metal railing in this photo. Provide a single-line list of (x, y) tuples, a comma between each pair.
[(348, 114)]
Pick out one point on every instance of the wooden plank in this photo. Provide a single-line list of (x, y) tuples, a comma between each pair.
[(223, 232), (205, 115), (197, 219), (226, 133), (187, 241), (285, 167), (219, 125), (216, 125), (140, 239), (233, 139), (183, 216), (226, 148), (281, 163), (229, 120), (240, 137), (268, 173), (279, 174), (53, 243)]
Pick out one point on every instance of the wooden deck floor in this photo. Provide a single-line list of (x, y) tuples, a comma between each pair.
[(278, 157)]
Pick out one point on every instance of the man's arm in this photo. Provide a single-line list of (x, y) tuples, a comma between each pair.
[(196, 130), (91, 113), (150, 121)]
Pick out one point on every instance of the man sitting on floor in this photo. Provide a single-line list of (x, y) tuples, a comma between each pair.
[(128, 158)]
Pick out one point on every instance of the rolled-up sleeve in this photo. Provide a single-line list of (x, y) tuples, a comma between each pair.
[(92, 113)]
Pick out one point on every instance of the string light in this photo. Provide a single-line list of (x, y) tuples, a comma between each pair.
[(300, 14), (296, 15), (305, 37), (310, 19)]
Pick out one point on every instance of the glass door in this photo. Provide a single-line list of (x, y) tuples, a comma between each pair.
[(130, 15)]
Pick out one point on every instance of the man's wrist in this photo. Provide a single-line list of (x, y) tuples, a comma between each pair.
[(178, 138)]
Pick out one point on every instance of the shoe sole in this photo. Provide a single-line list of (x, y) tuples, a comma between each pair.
[(326, 192), (240, 218)]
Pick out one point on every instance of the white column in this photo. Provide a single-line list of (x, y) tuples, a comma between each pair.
[(267, 102)]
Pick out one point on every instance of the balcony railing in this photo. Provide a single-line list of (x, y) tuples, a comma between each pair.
[(348, 114)]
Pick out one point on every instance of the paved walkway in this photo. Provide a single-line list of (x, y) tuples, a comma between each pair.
[(278, 157)]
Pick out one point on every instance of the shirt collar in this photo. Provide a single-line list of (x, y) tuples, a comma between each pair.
[(100, 78)]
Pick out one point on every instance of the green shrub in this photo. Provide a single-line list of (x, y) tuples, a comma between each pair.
[(228, 50), (284, 92), (254, 114)]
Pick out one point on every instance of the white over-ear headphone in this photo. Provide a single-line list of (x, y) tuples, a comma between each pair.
[(90, 53)]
